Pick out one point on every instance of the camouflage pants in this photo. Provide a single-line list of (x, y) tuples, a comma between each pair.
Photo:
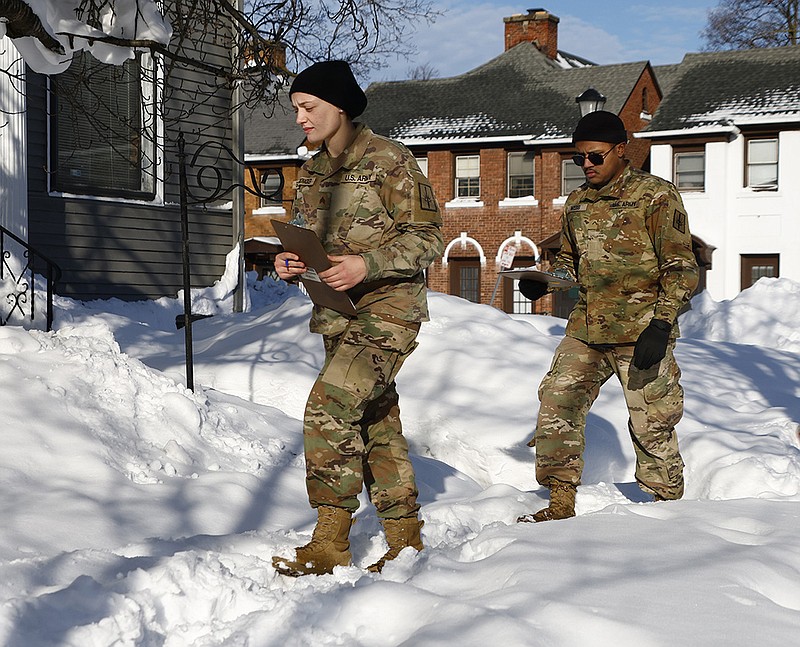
[(352, 433), (654, 398)]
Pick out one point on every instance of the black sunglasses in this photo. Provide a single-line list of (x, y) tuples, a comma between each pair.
[(595, 158)]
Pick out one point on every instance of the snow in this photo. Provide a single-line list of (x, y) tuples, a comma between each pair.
[(136, 512), (130, 19)]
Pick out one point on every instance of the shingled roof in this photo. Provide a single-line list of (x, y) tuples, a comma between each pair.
[(740, 87), (273, 133), (521, 92)]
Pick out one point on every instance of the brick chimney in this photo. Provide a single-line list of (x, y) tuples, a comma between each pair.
[(537, 26)]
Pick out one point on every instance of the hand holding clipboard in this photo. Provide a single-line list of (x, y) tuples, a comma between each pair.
[(307, 245)]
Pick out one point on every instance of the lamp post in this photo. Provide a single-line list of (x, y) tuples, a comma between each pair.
[(590, 101)]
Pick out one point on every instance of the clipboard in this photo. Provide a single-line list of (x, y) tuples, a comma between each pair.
[(542, 277), (307, 245)]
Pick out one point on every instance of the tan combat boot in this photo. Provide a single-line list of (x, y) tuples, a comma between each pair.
[(562, 503), (400, 534), (329, 545)]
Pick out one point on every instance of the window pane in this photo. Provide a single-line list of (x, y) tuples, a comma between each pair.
[(422, 162), (759, 271), (690, 171), (522, 305), (766, 175), (520, 174), (468, 166), (762, 151), (468, 182), (571, 177), (762, 163), (103, 137), (469, 284), (271, 185)]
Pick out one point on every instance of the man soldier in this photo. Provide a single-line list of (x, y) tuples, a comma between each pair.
[(376, 214), (625, 239)]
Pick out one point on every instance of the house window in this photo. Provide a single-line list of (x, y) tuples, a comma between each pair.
[(271, 187), (645, 102), (465, 279), (422, 162), (520, 304), (762, 164), (571, 176), (468, 176), (520, 174), (103, 128), (690, 170), (756, 266)]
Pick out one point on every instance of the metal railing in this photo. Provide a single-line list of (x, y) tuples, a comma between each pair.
[(17, 280)]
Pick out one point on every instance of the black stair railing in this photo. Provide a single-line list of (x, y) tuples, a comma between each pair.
[(17, 284)]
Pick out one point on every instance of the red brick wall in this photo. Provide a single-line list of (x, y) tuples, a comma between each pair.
[(631, 115), (540, 27), (259, 224), (491, 224)]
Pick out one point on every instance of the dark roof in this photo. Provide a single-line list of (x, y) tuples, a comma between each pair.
[(520, 92), (271, 129), (741, 86)]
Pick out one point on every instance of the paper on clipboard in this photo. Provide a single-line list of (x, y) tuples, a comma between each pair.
[(307, 245), (532, 274)]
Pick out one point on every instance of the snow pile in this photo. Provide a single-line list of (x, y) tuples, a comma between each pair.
[(136, 512), (765, 315)]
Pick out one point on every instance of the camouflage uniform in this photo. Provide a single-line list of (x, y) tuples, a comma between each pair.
[(375, 202), (628, 245)]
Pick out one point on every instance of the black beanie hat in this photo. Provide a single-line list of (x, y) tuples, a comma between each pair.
[(600, 126), (332, 81)]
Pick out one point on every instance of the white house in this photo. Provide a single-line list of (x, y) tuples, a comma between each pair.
[(728, 135)]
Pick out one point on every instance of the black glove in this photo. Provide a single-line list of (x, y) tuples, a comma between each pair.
[(532, 290), (652, 344)]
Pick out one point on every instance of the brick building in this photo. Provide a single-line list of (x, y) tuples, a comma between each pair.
[(495, 143)]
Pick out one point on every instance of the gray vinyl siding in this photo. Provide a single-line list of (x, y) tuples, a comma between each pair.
[(115, 248)]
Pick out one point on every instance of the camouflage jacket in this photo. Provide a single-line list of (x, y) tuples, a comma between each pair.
[(628, 245), (373, 201)]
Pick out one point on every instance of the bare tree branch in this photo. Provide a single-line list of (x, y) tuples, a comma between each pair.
[(746, 24)]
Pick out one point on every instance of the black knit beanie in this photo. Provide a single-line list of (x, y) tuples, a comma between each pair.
[(600, 126), (332, 81)]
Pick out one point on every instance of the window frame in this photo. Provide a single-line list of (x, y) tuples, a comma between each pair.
[(457, 267), (750, 139), (676, 153), (473, 181), (510, 177), (568, 160), (750, 262), (145, 142), (265, 202)]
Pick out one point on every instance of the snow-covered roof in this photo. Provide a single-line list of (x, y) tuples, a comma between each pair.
[(521, 92), (742, 88)]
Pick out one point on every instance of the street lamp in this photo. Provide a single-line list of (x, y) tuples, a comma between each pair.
[(590, 101)]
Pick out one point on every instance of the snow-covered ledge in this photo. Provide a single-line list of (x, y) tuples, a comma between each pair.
[(560, 200), (463, 203), (524, 201), (269, 211)]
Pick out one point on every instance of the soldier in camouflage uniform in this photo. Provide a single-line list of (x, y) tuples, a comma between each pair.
[(378, 219), (626, 241)]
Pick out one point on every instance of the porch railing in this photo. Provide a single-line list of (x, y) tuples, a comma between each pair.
[(19, 265)]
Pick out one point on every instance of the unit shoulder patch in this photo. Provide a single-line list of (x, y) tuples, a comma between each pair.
[(679, 221)]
